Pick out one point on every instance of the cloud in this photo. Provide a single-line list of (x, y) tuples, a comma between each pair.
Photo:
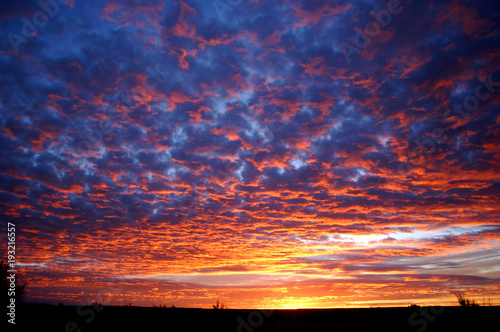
[(243, 155)]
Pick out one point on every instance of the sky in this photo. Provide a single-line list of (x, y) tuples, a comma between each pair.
[(269, 154)]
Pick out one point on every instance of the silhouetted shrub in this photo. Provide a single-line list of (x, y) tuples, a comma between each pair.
[(465, 301), (218, 305)]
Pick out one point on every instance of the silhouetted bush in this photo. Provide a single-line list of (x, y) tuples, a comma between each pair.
[(465, 301), (218, 305)]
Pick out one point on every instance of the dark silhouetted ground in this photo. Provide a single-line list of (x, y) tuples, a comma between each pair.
[(36, 317)]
